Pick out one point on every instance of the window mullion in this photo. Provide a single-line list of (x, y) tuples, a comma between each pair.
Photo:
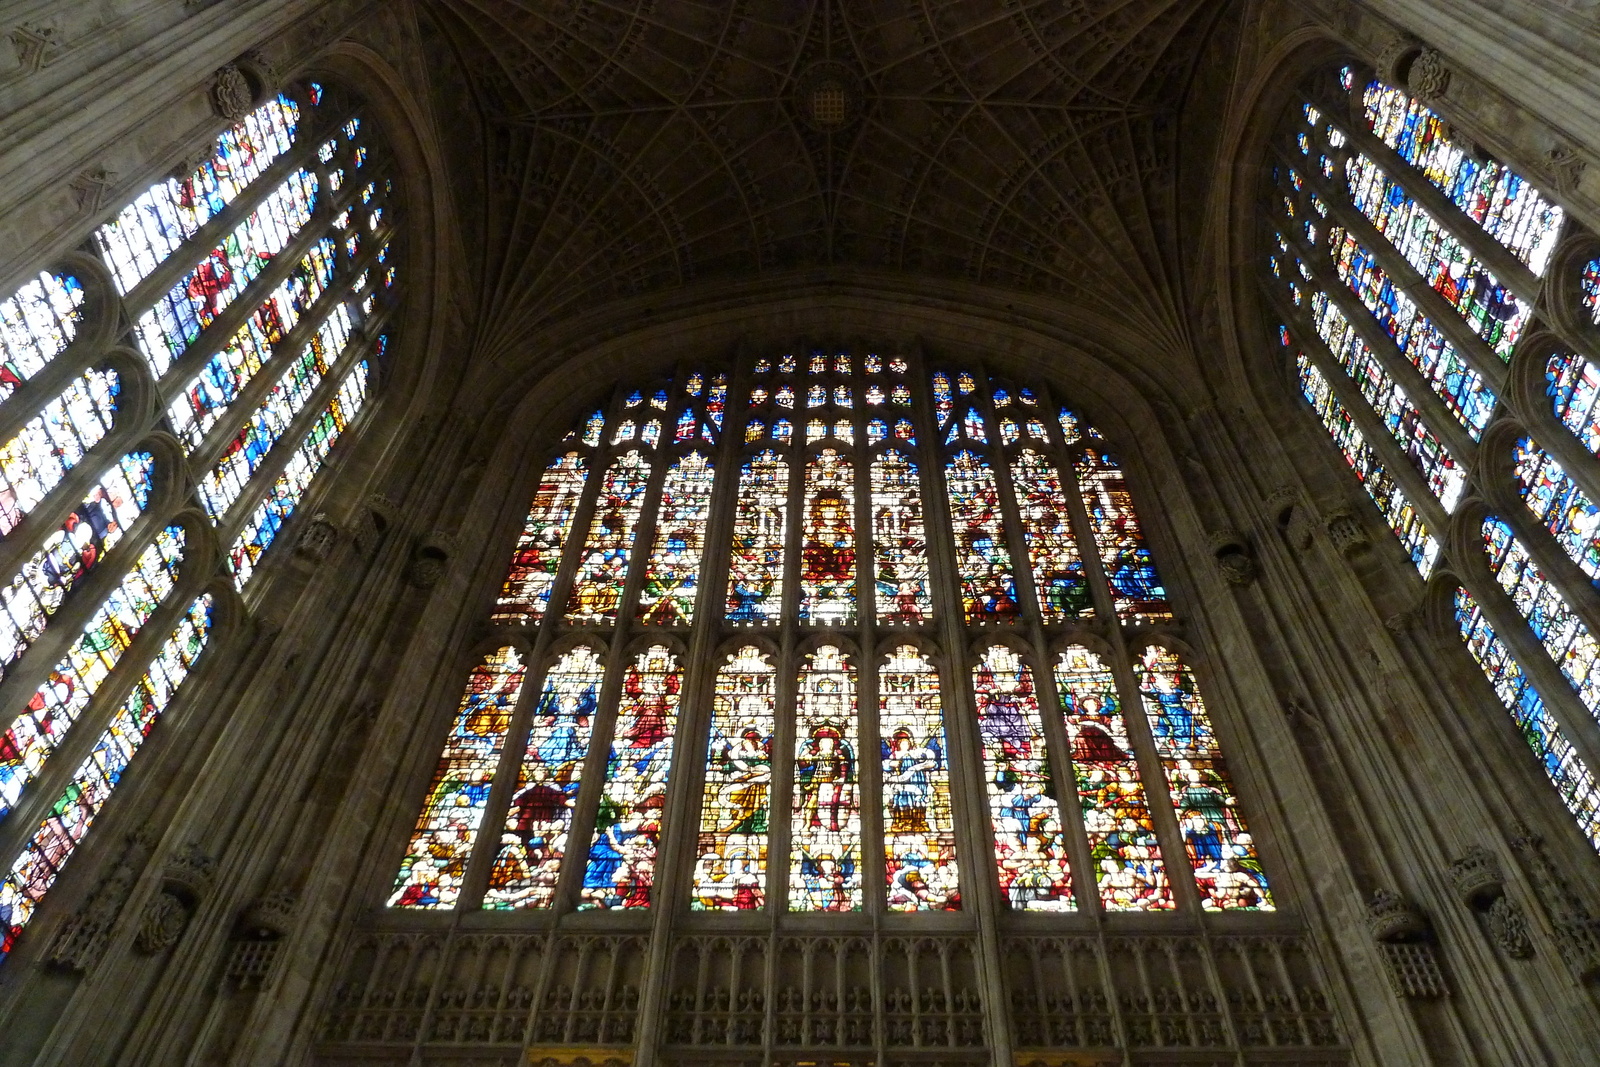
[(186, 256), (975, 844), (1409, 281), (1400, 465), (1435, 413), (869, 731), (1495, 256), (1576, 586), (785, 743)]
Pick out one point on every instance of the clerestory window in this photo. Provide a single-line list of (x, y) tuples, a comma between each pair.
[(167, 396)]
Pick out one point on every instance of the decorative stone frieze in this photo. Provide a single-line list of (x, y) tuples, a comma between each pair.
[(1232, 554), (270, 915), (82, 939), (35, 45), (1565, 167), (231, 94), (1348, 533), (1577, 932), (1396, 56)]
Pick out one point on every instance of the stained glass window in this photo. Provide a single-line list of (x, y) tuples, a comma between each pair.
[(1214, 835), (1338, 281), (1030, 842), (534, 838), (627, 833), (736, 812), (825, 867), (918, 817), (1122, 838), (261, 318), (821, 781)]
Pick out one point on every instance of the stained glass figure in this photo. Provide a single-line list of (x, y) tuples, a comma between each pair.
[(52, 442), (1560, 761), (1116, 815), (603, 566), (533, 841), (918, 821), (735, 813), (436, 861), (755, 566), (1573, 385), (877, 431), (37, 322), (1058, 573), (592, 428), (782, 431), (988, 589), (1135, 586), (672, 574), (819, 363), (828, 542), (944, 404), (1220, 848), (1557, 502), (91, 529), (1030, 842), (899, 541), (1549, 615), (900, 395), (872, 364), (825, 832), (1071, 426), (685, 427), (621, 872), (36, 868), (49, 715), (755, 431)]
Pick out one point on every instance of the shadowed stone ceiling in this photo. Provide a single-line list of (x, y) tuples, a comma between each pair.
[(634, 146)]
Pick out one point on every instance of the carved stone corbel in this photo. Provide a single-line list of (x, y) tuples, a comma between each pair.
[(428, 562), (1404, 943), (1348, 533), (318, 538), (1231, 552), (185, 880)]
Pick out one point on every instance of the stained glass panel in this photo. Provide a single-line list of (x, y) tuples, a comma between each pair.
[(988, 589), (735, 812), (1561, 763), (41, 860), (825, 865), (672, 574), (534, 839), (526, 592), (1551, 618), (50, 714), (436, 860), (1024, 805), (755, 566), (37, 322), (919, 838), (1491, 194), (52, 442), (1573, 385), (603, 566), (1116, 815), (1135, 587), (172, 211), (1375, 478), (1589, 288), (1058, 573), (92, 529), (1220, 848), (627, 832), (1555, 500), (828, 541), (899, 541)]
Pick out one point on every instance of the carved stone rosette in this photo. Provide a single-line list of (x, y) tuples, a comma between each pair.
[(1232, 554), (231, 95)]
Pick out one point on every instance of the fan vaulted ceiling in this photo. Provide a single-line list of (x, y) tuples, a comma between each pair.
[(633, 145)]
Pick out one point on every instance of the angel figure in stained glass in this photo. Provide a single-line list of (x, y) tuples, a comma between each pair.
[(744, 766), (826, 768), (826, 879), (907, 770)]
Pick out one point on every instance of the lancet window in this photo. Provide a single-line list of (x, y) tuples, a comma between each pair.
[(143, 476), (781, 636), (1438, 315)]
